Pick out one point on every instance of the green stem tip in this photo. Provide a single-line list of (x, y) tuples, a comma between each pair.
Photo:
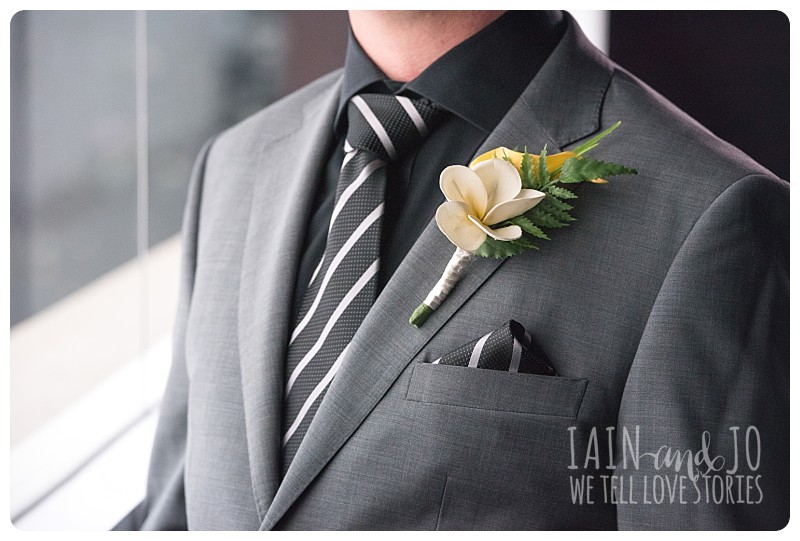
[(420, 315)]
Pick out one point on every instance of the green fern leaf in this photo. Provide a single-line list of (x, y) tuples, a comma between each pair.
[(540, 218), (499, 249), (526, 225), (553, 202), (549, 206), (577, 170), (561, 193), (543, 176), (526, 171), (526, 242)]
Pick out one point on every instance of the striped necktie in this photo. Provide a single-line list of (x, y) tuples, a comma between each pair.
[(381, 129)]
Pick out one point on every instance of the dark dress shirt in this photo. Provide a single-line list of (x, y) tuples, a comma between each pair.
[(476, 83)]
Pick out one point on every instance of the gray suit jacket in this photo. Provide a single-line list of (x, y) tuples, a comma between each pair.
[(664, 309)]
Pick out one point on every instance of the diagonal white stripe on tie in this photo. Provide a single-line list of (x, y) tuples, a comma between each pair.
[(316, 271), (337, 313), (351, 189), (376, 125), (349, 154), (414, 115), (337, 259), (313, 396)]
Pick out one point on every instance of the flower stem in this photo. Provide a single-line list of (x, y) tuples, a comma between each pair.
[(420, 315), (452, 274)]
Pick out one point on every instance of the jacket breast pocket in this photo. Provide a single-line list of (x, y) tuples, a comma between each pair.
[(496, 390)]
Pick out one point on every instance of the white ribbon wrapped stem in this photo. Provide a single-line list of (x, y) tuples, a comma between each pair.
[(455, 269), (452, 274)]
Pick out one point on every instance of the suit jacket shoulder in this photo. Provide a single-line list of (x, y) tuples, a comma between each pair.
[(281, 117), (246, 139), (683, 168), (671, 146), (248, 153)]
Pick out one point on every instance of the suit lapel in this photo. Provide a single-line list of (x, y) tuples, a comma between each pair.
[(557, 108), (284, 187)]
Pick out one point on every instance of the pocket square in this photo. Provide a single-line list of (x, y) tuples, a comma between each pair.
[(509, 348)]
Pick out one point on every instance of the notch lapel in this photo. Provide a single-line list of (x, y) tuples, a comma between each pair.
[(561, 105), (284, 187)]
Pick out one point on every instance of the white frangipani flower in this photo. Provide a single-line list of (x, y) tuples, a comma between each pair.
[(489, 193), (477, 198)]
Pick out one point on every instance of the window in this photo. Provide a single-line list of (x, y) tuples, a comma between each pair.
[(108, 110)]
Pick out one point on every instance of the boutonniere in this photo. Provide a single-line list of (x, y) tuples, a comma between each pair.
[(504, 202)]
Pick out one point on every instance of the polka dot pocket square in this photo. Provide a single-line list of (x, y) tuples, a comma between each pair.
[(509, 348)]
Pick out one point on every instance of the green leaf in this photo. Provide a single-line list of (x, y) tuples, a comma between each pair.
[(549, 206), (561, 193), (543, 176), (593, 142), (526, 225), (526, 171), (554, 202), (544, 219), (577, 170), (526, 242), (499, 249)]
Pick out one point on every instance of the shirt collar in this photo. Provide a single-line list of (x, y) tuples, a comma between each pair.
[(478, 80)]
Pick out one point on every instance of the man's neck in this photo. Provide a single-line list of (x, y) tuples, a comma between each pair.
[(403, 43)]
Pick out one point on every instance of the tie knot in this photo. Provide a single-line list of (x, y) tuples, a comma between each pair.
[(389, 126)]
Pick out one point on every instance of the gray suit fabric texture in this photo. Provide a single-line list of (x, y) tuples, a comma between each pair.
[(663, 308)]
